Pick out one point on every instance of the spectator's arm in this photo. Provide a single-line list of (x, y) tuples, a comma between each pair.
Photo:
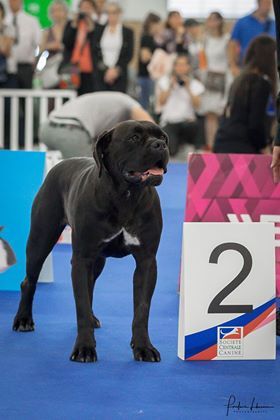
[(37, 34), (195, 93), (43, 45), (145, 55), (6, 44), (139, 114), (163, 96), (234, 48), (145, 50), (50, 46), (196, 100), (233, 54)]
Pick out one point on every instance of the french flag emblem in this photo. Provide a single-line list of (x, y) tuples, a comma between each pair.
[(233, 333)]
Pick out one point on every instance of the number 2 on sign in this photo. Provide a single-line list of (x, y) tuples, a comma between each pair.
[(215, 306)]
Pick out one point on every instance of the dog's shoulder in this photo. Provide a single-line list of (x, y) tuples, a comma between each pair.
[(71, 167), (68, 172)]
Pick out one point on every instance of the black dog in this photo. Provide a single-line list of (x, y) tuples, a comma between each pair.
[(114, 210)]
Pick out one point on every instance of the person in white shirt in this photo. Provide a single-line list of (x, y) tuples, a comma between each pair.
[(113, 50), (6, 41), (179, 98), (27, 39)]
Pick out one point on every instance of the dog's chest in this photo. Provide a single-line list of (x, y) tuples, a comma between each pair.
[(128, 239)]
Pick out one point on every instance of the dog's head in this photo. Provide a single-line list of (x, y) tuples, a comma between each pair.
[(135, 152)]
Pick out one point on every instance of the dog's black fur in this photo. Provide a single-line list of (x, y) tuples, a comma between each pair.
[(99, 199)]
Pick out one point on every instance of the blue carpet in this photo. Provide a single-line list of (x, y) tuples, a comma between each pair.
[(38, 382)]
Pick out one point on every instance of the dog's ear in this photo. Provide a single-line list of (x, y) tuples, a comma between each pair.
[(102, 142)]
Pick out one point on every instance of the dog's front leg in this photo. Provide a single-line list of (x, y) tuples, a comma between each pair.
[(84, 349), (144, 282)]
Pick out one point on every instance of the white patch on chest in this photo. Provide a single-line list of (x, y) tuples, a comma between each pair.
[(128, 238)]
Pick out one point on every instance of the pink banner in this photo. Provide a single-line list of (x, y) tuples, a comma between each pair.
[(224, 188)]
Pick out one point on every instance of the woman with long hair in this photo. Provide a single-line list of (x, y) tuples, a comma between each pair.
[(152, 28), (215, 75), (52, 37), (175, 35), (243, 128)]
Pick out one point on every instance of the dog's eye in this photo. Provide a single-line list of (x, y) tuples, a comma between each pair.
[(134, 138), (163, 137)]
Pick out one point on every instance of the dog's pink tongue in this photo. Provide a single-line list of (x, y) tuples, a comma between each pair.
[(156, 171)]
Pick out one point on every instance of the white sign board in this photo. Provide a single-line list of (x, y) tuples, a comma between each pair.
[(227, 292)]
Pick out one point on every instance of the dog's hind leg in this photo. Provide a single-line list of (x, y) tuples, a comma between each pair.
[(46, 227), (97, 270)]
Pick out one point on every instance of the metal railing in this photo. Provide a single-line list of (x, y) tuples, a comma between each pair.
[(35, 104)]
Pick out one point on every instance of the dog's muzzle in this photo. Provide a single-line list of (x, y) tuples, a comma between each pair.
[(158, 157)]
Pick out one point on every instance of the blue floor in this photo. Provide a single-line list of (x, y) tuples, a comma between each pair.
[(37, 381)]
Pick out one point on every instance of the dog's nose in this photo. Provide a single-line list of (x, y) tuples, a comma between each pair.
[(158, 145)]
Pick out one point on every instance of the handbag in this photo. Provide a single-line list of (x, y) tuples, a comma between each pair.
[(69, 76), (215, 82), (70, 72)]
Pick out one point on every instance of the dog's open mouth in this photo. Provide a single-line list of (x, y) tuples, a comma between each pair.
[(137, 176)]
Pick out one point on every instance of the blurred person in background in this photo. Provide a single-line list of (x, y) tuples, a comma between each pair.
[(113, 50), (27, 39), (7, 36), (246, 29), (151, 33), (74, 127), (78, 41), (175, 37), (52, 37), (243, 126), (101, 13), (215, 75), (195, 45), (180, 97)]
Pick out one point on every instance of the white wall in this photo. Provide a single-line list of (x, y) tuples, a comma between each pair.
[(201, 8), (138, 9)]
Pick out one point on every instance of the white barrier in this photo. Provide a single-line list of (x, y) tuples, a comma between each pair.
[(41, 106)]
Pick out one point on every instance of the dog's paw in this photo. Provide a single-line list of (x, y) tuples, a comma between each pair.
[(23, 324), (146, 354), (84, 354)]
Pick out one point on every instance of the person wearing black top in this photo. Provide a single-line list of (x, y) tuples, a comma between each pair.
[(113, 50), (86, 10), (148, 44), (276, 150), (175, 34), (243, 126)]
